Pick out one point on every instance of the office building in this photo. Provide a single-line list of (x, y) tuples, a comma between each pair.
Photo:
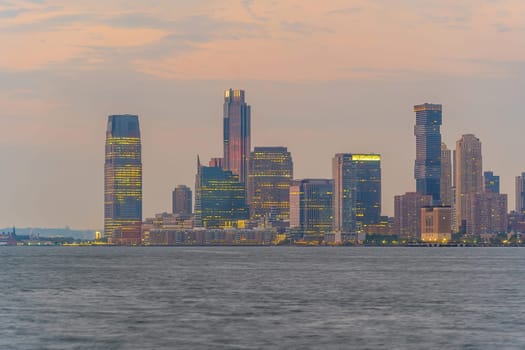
[(181, 200), (446, 176), (468, 175), (311, 206), (427, 169), (436, 222), (123, 180), (357, 191), (490, 182), (236, 133), (220, 199), (407, 215), (269, 177)]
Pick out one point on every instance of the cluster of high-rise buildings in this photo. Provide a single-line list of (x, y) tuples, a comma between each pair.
[(250, 195), (452, 195)]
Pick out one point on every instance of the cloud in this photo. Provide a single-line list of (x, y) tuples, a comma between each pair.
[(248, 6), (11, 13), (301, 28), (345, 11)]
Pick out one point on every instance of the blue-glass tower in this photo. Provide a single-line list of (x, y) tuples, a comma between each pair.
[(123, 180), (427, 169), (220, 199)]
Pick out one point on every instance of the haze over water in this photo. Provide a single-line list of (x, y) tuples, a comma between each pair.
[(271, 297)]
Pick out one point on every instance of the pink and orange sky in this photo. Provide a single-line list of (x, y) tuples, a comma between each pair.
[(322, 77)]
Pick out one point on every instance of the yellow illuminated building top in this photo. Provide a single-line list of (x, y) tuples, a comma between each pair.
[(366, 157), (427, 107)]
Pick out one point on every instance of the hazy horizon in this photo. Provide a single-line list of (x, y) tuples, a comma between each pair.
[(322, 78)]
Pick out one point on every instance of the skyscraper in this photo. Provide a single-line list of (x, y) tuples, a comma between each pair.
[(490, 182), (520, 194), (269, 177), (220, 199), (446, 176), (468, 174), (123, 180), (311, 206), (181, 200), (357, 191), (236, 133), (427, 169)]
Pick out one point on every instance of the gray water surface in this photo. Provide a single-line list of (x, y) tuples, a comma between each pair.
[(267, 297)]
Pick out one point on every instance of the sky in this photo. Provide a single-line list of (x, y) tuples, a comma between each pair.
[(322, 77)]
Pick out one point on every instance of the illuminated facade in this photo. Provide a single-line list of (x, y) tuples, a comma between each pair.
[(236, 133), (427, 168), (311, 206), (220, 199), (269, 176), (123, 180), (357, 191), (468, 176), (436, 222), (181, 200)]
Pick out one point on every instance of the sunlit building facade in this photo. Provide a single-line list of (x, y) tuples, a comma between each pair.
[(436, 222), (237, 133), (357, 191), (269, 177), (311, 206), (427, 168), (123, 180), (220, 199)]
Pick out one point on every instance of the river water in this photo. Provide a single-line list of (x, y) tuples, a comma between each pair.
[(261, 298)]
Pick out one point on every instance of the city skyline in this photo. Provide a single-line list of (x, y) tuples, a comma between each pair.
[(77, 66)]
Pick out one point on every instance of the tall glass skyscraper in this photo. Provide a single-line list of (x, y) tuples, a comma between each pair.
[(220, 199), (270, 174), (311, 206), (236, 133), (357, 191), (427, 169), (123, 180)]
